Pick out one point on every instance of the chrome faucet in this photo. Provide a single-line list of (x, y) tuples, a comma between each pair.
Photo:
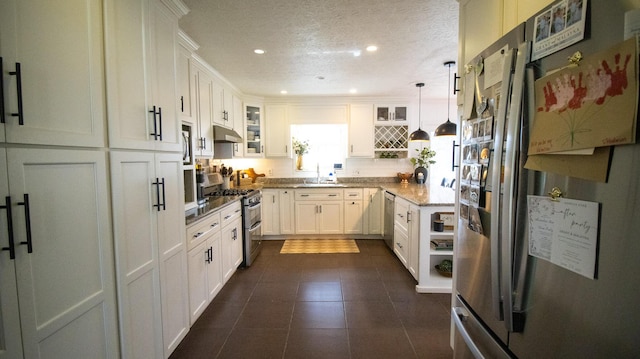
[(318, 173)]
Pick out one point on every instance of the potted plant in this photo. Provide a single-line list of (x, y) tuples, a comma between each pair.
[(421, 163), (300, 148)]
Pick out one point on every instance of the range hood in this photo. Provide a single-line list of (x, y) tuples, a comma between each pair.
[(222, 135)]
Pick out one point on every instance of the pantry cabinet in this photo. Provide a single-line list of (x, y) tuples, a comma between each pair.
[(57, 292), (52, 61), (151, 261), (141, 45)]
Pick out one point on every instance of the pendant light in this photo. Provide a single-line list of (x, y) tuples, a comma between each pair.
[(448, 128), (419, 135)]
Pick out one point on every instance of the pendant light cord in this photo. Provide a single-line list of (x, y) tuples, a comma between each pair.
[(449, 95)]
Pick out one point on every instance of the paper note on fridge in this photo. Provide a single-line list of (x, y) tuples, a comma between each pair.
[(564, 232), (590, 105)]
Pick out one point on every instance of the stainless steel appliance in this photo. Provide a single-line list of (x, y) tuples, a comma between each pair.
[(508, 303), (251, 218), (389, 204)]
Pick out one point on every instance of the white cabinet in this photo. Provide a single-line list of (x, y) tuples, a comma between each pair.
[(205, 263), (185, 78), (278, 136), (148, 214), (430, 281), (203, 94), (231, 239), (407, 235), (372, 211), (270, 212), (254, 131), (361, 131), (57, 293), (391, 112), (223, 106), (287, 211), (319, 211), (401, 242), (238, 125), (353, 211), (53, 72), (141, 74)]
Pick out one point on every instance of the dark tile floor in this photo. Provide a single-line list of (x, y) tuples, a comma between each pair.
[(322, 306)]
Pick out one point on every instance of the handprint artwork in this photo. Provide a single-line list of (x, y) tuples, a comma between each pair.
[(590, 105)]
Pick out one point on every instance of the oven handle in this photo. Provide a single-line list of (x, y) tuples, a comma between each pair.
[(255, 206), (255, 226)]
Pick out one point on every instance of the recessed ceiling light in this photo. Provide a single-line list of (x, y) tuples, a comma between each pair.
[(259, 51), (284, 92), (372, 48), (353, 91)]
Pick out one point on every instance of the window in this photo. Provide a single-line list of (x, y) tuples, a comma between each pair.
[(327, 145)]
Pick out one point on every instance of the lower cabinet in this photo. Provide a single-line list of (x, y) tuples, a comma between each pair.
[(57, 285), (413, 232), (231, 239), (151, 258), (353, 211), (372, 210), (205, 263), (270, 212)]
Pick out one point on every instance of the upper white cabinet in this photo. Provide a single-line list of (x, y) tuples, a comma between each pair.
[(151, 261), (223, 107), (391, 112), (57, 292), (187, 105), (253, 136), (361, 131), (141, 73), (51, 55), (238, 125), (278, 136), (203, 94)]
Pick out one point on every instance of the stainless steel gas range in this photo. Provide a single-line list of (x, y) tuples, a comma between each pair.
[(251, 219)]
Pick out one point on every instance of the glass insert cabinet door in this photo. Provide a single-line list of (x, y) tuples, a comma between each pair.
[(253, 135), (391, 113)]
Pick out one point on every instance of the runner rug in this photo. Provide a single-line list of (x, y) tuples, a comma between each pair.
[(296, 246)]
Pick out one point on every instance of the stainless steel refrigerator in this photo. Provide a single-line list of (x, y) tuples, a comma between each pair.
[(507, 302)]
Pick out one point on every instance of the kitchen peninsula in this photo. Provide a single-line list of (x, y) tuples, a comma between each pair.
[(354, 208)]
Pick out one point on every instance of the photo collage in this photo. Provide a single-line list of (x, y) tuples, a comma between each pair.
[(477, 144)]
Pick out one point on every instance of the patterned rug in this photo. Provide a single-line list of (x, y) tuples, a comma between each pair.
[(298, 246)]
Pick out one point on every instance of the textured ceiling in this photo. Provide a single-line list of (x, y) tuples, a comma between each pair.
[(305, 39)]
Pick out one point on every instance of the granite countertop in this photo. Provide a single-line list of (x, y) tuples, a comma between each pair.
[(212, 205), (421, 195)]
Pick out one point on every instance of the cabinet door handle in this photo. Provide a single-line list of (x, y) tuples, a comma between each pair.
[(27, 218), (20, 113), (160, 121), (351, 148), (207, 256), (155, 123), (2, 118), (159, 204), (304, 195), (214, 225), (198, 234), (408, 217), (164, 196), (332, 195), (11, 248), (182, 104), (320, 208)]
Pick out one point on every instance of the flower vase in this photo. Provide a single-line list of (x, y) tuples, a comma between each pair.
[(420, 175), (299, 163)]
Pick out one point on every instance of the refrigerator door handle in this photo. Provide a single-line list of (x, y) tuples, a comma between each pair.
[(509, 193), (497, 175), (460, 315)]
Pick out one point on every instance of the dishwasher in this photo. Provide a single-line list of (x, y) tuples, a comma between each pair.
[(389, 203)]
